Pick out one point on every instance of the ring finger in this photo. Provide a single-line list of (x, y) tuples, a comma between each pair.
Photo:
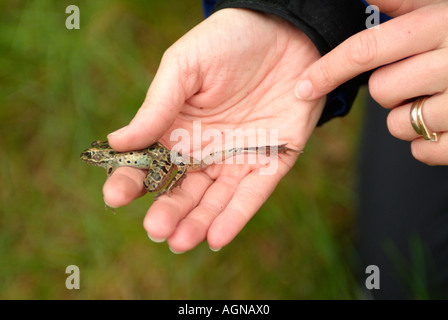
[(434, 114)]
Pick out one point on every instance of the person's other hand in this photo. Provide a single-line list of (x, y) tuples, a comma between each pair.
[(235, 70), (411, 54)]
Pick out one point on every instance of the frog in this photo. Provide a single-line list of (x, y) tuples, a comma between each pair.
[(166, 169)]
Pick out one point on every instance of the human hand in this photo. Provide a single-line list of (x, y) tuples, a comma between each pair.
[(411, 52), (235, 70)]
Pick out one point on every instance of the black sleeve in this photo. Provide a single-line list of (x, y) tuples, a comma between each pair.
[(327, 23)]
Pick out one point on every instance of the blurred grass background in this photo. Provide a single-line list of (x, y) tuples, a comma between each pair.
[(61, 89)]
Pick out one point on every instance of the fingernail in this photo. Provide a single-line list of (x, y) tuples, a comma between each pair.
[(156, 240), (175, 252), (108, 205), (215, 249), (121, 130), (304, 89)]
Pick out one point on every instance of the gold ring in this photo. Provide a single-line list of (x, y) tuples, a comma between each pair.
[(417, 121)]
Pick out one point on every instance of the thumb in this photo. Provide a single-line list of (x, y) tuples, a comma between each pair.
[(166, 95), (367, 50)]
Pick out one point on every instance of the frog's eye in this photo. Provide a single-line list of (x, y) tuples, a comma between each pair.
[(96, 156)]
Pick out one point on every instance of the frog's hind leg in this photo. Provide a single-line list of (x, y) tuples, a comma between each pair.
[(158, 175), (177, 180)]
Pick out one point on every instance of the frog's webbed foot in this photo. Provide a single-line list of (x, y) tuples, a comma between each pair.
[(283, 149), (277, 150)]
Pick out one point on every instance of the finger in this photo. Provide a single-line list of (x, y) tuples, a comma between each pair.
[(125, 185), (171, 86), (420, 75), (164, 214), (396, 39), (396, 8), (434, 114), (193, 229), (251, 193), (432, 153)]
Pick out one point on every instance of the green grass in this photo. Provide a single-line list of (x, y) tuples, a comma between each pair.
[(59, 90)]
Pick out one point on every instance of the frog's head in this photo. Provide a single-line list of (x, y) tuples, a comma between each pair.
[(99, 154)]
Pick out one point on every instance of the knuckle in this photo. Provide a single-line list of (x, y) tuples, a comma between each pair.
[(363, 48), (325, 76)]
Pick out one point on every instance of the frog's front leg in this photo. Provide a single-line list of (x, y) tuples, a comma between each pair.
[(159, 173)]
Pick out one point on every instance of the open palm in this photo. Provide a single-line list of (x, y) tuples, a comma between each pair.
[(235, 70)]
